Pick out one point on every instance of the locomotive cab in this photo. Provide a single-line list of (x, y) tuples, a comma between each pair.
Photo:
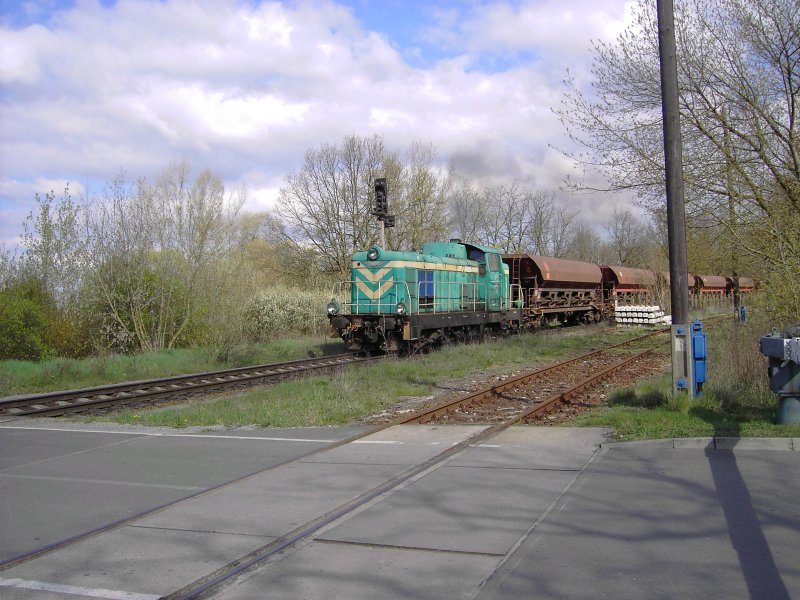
[(398, 301)]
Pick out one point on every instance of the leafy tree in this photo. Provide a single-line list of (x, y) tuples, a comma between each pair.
[(55, 246)]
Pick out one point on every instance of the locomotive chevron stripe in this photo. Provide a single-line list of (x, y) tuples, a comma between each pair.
[(372, 293), (371, 277)]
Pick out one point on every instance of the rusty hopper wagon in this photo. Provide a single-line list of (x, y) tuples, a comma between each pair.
[(711, 284), (626, 285), (746, 285), (555, 289)]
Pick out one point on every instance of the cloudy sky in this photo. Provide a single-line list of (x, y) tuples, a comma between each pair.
[(91, 88)]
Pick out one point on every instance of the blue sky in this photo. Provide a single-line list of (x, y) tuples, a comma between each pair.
[(91, 88)]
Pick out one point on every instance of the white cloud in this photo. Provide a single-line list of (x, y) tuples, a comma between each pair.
[(245, 88)]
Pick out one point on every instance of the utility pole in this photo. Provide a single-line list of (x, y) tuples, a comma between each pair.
[(676, 214)]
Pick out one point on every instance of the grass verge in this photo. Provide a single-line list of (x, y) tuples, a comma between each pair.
[(21, 377), (736, 402), (360, 392)]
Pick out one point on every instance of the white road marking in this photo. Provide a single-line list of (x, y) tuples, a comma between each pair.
[(377, 442), (188, 435), (75, 590), (102, 481)]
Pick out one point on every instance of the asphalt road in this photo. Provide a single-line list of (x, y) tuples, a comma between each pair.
[(59, 479)]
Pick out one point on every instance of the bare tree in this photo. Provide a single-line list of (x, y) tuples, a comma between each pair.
[(158, 252), (585, 243), (327, 205), (507, 218), (421, 204), (466, 209), (739, 84), (627, 238), (511, 218)]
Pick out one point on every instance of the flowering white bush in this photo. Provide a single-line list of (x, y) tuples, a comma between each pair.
[(280, 310)]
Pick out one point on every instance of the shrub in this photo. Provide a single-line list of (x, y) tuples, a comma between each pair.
[(26, 314), (279, 311)]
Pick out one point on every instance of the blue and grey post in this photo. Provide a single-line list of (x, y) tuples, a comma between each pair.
[(783, 351), (682, 363)]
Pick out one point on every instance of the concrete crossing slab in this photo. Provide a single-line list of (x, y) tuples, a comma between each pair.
[(85, 477), (651, 522), (336, 572), (137, 560), (482, 500), (555, 448), (464, 509), (400, 445), (276, 502), (534, 512), (25, 525)]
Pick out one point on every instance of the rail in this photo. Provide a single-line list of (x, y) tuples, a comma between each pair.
[(213, 581), (116, 395)]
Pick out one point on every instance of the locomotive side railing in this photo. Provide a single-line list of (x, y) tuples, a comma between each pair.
[(516, 297), (343, 293), (450, 296), (447, 297)]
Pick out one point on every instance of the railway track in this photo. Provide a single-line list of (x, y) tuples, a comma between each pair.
[(133, 393), (512, 401), (465, 405), (208, 586), (170, 389)]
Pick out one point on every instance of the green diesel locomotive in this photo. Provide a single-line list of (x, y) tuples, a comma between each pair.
[(404, 302)]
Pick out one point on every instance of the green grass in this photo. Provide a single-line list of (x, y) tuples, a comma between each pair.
[(360, 392), (736, 402), (20, 377), (648, 412)]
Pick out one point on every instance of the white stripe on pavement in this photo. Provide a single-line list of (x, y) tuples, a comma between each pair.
[(75, 590)]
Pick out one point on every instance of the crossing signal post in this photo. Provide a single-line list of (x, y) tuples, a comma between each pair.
[(381, 211)]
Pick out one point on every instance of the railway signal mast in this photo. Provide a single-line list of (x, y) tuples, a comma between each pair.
[(382, 209)]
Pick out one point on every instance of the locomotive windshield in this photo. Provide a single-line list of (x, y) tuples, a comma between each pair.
[(477, 255)]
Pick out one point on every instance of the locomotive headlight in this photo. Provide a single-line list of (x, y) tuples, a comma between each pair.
[(372, 253), (333, 308), (400, 309)]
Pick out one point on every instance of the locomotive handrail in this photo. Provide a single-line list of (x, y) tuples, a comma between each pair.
[(448, 301), (443, 300), (361, 308), (518, 297)]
